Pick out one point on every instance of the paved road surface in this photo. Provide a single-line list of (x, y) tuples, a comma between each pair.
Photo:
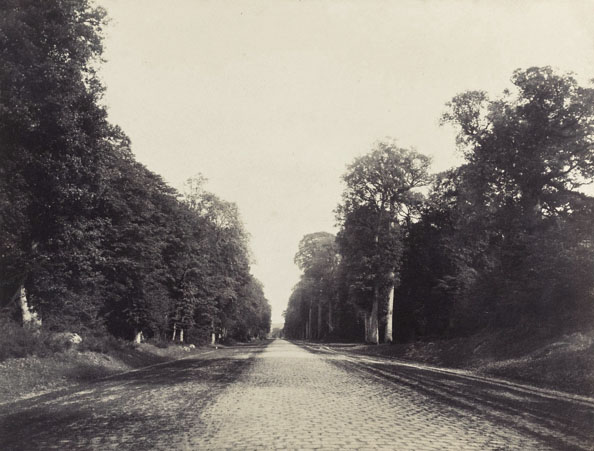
[(284, 396)]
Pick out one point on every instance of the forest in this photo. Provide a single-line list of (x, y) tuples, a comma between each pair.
[(91, 241), (504, 241)]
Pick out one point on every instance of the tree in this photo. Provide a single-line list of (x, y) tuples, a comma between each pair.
[(445, 250), (54, 136), (90, 238), (527, 154), (297, 315), (534, 147), (317, 257), (253, 314), (228, 288), (384, 181)]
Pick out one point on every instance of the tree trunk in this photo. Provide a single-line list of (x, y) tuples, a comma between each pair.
[(390, 315), (366, 325), (30, 318), (138, 337), (309, 323), (374, 319), (374, 322), (213, 338), (330, 325), (181, 334), (319, 331), (174, 331)]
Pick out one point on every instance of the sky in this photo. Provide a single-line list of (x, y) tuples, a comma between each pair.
[(270, 100)]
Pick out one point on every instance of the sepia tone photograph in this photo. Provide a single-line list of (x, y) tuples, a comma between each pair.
[(296, 224)]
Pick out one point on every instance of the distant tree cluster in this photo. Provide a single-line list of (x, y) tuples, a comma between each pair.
[(90, 239), (505, 240)]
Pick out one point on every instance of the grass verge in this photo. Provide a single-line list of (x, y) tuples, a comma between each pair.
[(563, 363), (33, 375)]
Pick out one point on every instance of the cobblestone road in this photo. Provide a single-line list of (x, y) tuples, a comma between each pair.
[(291, 398), (285, 397)]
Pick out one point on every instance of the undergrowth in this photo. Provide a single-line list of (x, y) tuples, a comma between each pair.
[(17, 342)]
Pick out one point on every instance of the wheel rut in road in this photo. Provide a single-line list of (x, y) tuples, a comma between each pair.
[(281, 396), (151, 408), (555, 419), (292, 398)]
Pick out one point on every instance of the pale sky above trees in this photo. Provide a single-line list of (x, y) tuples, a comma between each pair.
[(270, 100)]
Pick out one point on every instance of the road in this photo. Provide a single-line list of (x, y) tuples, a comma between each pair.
[(284, 396)]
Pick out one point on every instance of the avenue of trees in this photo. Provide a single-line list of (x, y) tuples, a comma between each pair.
[(90, 239), (504, 240)]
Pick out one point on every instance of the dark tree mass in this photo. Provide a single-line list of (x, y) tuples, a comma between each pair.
[(90, 239), (505, 240)]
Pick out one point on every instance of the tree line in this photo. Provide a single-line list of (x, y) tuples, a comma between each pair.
[(506, 240), (90, 239)]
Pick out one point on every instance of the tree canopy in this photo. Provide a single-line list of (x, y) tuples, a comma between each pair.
[(503, 241), (90, 239)]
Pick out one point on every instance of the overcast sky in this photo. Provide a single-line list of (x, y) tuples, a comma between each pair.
[(270, 100)]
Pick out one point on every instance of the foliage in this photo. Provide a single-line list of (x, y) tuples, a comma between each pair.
[(98, 241), (317, 257), (380, 201), (53, 134), (17, 341), (503, 241)]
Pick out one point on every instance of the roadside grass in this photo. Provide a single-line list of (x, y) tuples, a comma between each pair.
[(535, 357), (32, 364), (566, 364)]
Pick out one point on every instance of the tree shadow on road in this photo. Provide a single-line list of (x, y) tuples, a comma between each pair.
[(147, 401)]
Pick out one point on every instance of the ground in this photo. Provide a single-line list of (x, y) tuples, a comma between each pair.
[(280, 395), (33, 375), (538, 356)]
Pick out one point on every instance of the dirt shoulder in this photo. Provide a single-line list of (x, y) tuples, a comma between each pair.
[(563, 363), (31, 376), (155, 407)]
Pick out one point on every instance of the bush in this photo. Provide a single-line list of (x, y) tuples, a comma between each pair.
[(159, 342), (16, 341), (228, 341), (102, 342)]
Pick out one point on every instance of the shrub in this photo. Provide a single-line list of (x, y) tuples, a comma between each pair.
[(159, 342), (16, 341), (102, 342)]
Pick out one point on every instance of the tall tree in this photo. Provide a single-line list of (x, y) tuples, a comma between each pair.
[(297, 315), (317, 257), (88, 236), (527, 154), (384, 181), (54, 136), (534, 146), (228, 270), (140, 208)]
